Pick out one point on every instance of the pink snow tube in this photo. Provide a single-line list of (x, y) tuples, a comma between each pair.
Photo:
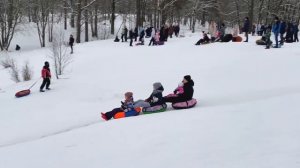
[(185, 105)]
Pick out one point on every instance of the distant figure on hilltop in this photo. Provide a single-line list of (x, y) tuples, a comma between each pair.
[(71, 43), (18, 47)]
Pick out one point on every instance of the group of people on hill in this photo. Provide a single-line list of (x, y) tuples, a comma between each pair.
[(184, 92), (158, 37), (288, 32)]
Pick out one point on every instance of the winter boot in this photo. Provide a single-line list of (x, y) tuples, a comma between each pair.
[(104, 117)]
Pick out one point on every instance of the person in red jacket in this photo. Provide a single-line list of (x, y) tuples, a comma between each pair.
[(46, 75)]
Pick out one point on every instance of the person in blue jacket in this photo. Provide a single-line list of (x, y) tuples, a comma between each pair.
[(282, 32), (276, 30)]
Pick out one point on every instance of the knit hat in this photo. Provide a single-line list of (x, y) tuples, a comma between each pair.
[(46, 64), (157, 85), (187, 77), (129, 94)]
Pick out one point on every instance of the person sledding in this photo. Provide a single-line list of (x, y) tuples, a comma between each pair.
[(126, 106), (179, 90), (46, 75), (185, 95), (204, 40), (155, 99)]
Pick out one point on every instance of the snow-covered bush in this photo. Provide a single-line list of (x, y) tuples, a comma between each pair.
[(27, 73), (60, 53), (14, 71), (7, 63)]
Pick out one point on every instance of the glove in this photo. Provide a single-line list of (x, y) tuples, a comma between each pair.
[(155, 99)]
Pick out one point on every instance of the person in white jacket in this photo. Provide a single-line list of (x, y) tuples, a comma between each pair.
[(152, 41)]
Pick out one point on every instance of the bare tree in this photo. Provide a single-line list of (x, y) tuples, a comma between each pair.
[(59, 53), (10, 14)]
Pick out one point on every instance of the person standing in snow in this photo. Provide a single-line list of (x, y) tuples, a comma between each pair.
[(268, 37), (131, 36), (124, 34), (276, 30), (296, 31), (282, 32), (152, 41), (246, 28), (127, 105), (71, 43), (187, 94), (176, 29), (142, 35), (46, 75), (136, 33)]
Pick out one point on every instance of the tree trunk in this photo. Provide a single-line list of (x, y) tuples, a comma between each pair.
[(251, 14), (65, 15), (96, 21), (72, 21), (86, 22), (113, 8), (78, 22)]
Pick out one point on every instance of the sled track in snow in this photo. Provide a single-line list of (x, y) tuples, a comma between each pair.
[(49, 135)]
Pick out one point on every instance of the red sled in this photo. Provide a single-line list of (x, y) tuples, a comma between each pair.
[(22, 93)]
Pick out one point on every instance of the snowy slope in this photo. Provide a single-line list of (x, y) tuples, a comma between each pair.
[(247, 114)]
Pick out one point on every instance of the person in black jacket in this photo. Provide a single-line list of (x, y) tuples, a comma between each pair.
[(136, 33), (282, 32), (156, 97), (188, 91), (71, 43), (131, 36), (246, 28), (296, 31)]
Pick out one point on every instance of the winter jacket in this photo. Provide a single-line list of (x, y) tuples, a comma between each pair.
[(127, 105), (276, 28), (171, 30), (156, 97), (71, 41), (283, 28), (46, 72), (296, 28), (222, 31), (131, 34), (246, 26), (188, 91), (153, 33)]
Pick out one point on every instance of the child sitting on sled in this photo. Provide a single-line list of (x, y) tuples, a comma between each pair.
[(177, 91), (127, 105)]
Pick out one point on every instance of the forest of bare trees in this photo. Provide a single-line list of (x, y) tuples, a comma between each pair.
[(86, 15)]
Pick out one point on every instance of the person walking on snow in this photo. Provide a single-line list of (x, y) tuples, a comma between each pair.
[(246, 28), (46, 75), (282, 32), (276, 30), (71, 43), (131, 36), (268, 38), (124, 34), (152, 41)]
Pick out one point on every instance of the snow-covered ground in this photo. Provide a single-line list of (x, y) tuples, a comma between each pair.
[(247, 115)]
